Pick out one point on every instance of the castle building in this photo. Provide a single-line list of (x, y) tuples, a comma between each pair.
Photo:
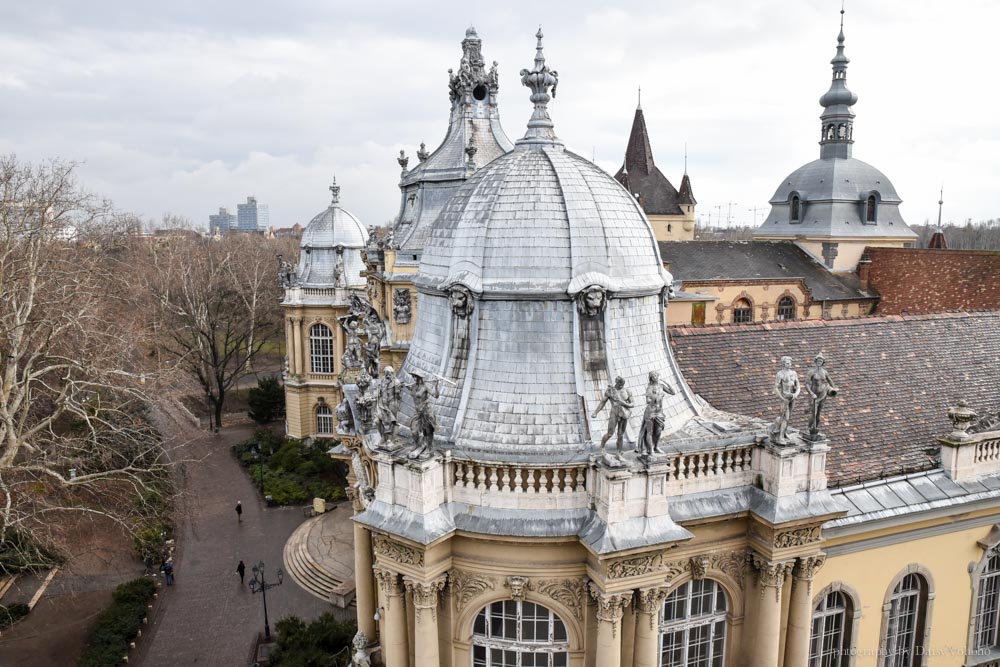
[(837, 205), (669, 211)]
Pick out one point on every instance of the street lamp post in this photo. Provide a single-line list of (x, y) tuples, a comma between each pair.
[(259, 585)]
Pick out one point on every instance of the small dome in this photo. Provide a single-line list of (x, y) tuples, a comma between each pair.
[(335, 231), (836, 178)]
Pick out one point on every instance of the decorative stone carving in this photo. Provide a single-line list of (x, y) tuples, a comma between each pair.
[(635, 566), (653, 419), (610, 607), (400, 553), (286, 273), (771, 574), (591, 300), (518, 586), (425, 593), (401, 309), (732, 563), (568, 592), (649, 601), (345, 418), (699, 567), (461, 300), (403, 160), (962, 418), (390, 394), (361, 655), (388, 582), (465, 586), (364, 401), (372, 290), (338, 269), (787, 388), (987, 423), (797, 537), (422, 153), (362, 485), (621, 408), (376, 332), (352, 346), (820, 386), (424, 420), (806, 567)]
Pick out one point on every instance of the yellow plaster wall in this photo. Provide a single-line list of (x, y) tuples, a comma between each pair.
[(679, 312), (848, 251), (674, 227), (870, 572)]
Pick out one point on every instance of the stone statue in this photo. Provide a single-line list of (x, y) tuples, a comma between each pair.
[(820, 386), (338, 270), (361, 656), (787, 388), (401, 305), (422, 153), (621, 408), (352, 347), (345, 418), (653, 419), (372, 290), (376, 332), (493, 77), (390, 394), (285, 370), (286, 273), (424, 421), (390, 239), (364, 400), (460, 298), (372, 242), (403, 160), (591, 301)]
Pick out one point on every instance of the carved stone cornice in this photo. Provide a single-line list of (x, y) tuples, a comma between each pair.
[(465, 586), (518, 586), (649, 601), (610, 606), (806, 567), (732, 563), (635, 565), (570, 592), (425, 594), (797, 537), (771, 574), (400, 553)]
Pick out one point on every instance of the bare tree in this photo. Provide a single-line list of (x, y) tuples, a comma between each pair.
[(73, 436), (214, 306)]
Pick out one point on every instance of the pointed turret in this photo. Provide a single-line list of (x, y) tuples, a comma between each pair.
[(838, 119), (640, 176), (685, 196)]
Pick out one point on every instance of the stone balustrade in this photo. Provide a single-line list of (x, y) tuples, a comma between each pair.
[(695, 471), (514, 486), (972, 456)]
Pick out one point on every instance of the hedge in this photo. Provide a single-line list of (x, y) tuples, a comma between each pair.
[(118, 625)]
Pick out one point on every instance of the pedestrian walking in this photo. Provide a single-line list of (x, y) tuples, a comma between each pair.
[(168, 571), (241, 570), (239, 511)]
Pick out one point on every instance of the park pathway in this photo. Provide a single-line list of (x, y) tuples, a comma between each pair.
[(207, 617)]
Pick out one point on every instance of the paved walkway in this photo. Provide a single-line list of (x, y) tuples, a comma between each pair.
[(207, 617)]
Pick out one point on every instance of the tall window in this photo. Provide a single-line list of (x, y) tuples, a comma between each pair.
[(794, 214), (693, 626), (786, 308), (742, 312), (904, 626), (831, 641), (512, 633), (320, 349), (988, 603), (324, 419), (870, 209)]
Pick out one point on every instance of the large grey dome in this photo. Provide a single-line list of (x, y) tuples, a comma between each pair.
[(334, 231)]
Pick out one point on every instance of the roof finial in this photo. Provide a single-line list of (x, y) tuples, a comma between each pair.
[(539, 80), (335, 191), (940, 207), (840, 38), (685, 158), (639, 105)]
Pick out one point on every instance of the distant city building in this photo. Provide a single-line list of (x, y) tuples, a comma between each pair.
[(222, 222), (293, 232), (252, 216)]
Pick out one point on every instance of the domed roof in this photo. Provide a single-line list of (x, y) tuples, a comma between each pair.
[(334, 231), (836, 178)]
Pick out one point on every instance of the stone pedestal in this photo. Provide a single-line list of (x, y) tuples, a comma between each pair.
[(393, 633)]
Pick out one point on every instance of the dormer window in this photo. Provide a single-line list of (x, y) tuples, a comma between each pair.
[(871, 209), (794, 212)]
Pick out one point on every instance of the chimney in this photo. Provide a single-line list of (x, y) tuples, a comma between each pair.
[(864, 271)]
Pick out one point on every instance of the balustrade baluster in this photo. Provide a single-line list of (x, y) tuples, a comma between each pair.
[(518, 481), (505, 480)]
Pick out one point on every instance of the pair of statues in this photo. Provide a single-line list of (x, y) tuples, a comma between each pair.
[(653, 419), (354, 353), (819, 386), (389, 396)]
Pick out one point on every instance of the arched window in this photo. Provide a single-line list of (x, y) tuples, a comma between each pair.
[(324, 419), (320, 349), (871, 209), (786, 308), (988, 604), (903, 626), (830, 643), (793, 214), (670, 227), (512, 633), (742, 312), (693, 626)]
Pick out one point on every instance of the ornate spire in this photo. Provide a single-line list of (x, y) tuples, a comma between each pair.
[(335, 192), (539, 80), (838, 119)]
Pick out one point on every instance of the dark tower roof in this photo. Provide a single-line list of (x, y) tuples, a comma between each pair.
[(685, 195), (640, 176)]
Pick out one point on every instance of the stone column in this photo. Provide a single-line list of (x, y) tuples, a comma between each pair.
[(647, 626), (425, 603), (770, 579), (395, 648), (290, 345), (800, 609), (364, 585), (298, 368), (610, 607)]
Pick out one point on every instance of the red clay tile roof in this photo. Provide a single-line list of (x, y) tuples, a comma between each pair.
[(898, 376)]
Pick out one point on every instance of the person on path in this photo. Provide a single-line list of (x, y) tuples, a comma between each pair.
[(168, 571), (241, 570), (239, 511)]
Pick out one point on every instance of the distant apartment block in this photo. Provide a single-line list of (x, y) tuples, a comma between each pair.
[(252, 216), (222, 222)]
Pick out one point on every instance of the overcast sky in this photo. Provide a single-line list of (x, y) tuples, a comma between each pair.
[(185, 106)]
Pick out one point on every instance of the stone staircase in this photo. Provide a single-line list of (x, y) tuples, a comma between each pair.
[(328, 583)]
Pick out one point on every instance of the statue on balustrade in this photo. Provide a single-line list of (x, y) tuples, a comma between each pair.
[(621, 408), (787, 388), (424, 420), (820, 387), (390, 394), (352, 347), (653, 419)]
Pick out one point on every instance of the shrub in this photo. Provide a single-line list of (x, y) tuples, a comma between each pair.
[(317, 644), (11, 614), (294, 472), (117, 625), (266, 401), (149, 541)]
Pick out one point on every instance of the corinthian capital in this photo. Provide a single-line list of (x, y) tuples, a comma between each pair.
[(610, 606), (806, 567), (649, 601), (387, 580), (771, 574), (425, 594)]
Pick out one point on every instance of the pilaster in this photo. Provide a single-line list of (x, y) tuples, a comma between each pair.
[(610, 608), (770, 579), (395, 647), (800, 609), (425, 602), (649, 601)]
